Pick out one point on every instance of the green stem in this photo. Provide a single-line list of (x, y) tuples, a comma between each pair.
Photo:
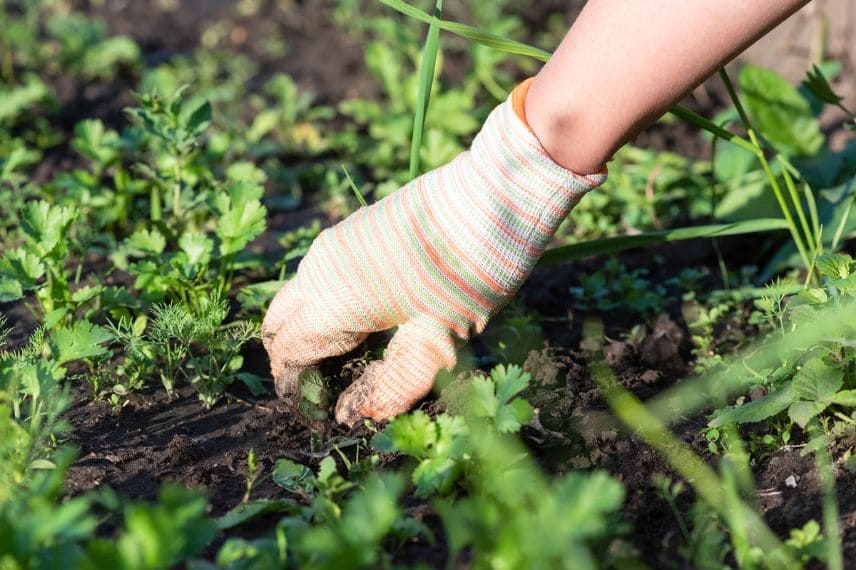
[(426, 80), (839, 231), (176, 190), (834, 558), (795, 199), (714, 129), (777, 190), (155, 204), (704, 480)]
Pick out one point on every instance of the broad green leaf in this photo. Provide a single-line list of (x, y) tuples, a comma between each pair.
[(248, 511), (492, 398), (147, 241), (482, 398), (266, 121), (510, 381), (22, 266), (86, 293), (257, 295), (197, 246), (815, 295), (782, 115), (172, 529), (253, 382), (293, 476), (413, 434), (246, 171), (802, 412), (42, 464), (732, 163), (582, 500), (846, 285), (754, 411), (817, 381), (45, 225), (13, 102), (514, 415), (845, 398), (95, 142), (54, 317), (834, 265), (241, 215), (102, 59), (199, 119), (10, 290), (82, 340)]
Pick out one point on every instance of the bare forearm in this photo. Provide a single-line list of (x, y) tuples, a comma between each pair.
[(625, 62)]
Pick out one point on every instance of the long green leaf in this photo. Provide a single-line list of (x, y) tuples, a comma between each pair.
[(610, 245), (423, 95), (638, 417), (485, 38)]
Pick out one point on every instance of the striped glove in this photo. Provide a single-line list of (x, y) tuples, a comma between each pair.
[(436, 259)]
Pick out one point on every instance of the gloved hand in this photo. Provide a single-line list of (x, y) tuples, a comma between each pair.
[(437, 259)]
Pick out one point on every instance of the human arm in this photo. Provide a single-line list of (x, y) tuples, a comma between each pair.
[(442, 255), (623, 63)]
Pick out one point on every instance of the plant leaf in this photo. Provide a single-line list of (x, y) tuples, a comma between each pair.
[(82, 340), (242, 216), (147, 241), (412, 434), (783, 116), (802, 412), (817, 381), (248, 511), (844, 398), (754, 411), (610, 245), (293, 476)]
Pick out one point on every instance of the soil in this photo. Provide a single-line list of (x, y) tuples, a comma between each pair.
[(155, 438)]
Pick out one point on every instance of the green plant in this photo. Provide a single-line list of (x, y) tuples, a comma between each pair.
[(615, 287), (818, 379), (40, 264), (84, 48), (174, 128), (441, 445), (514, 518), (196, 270), (198, 347), (338, 524)]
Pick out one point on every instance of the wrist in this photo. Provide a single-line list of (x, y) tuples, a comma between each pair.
[(566, 133)]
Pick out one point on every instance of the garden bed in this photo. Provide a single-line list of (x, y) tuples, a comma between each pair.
[(658, 317)]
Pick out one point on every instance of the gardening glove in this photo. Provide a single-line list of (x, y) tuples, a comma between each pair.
[(436, 259)]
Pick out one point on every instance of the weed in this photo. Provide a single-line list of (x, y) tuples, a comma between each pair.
[(614, 287)]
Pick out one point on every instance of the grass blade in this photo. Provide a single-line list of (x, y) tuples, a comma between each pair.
[(723, 498), (834, 557), (610, 245), (711, 127), (354, 188), (471, 33), (839, 232), (423, 95)]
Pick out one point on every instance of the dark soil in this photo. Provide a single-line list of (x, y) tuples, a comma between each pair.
[(154, 439)]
